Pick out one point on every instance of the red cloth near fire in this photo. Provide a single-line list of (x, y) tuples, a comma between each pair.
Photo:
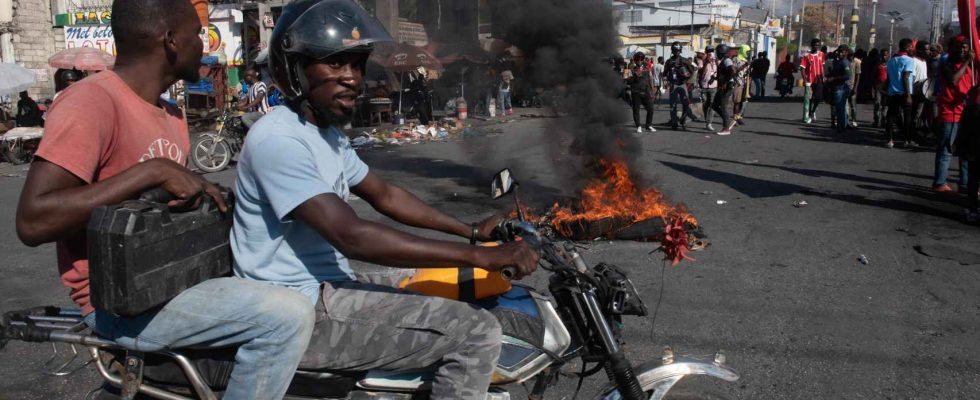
[(674, 245)]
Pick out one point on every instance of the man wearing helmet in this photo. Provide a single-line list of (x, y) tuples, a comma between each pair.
[(294, 228), (677, 71)]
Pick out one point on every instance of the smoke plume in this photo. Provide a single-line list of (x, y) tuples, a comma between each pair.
[(568, 43)]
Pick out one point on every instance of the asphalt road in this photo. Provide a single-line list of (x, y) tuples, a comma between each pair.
[(780, 288)]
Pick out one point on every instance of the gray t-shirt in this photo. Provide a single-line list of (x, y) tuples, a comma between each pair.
[(287, 161)]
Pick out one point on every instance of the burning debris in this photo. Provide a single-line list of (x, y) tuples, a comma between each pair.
[(565, 53), (613, 202)]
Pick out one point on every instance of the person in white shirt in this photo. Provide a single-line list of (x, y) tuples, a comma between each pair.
[(919, 78), (257, 103)]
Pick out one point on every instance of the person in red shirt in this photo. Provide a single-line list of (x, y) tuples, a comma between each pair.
[(957, 78), (109, 138), (811, 67), (879, 89)]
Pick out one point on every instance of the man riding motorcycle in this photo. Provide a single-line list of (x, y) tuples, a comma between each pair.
[(294, 228)]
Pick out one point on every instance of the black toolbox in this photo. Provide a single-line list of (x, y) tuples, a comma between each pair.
[(141, 254)]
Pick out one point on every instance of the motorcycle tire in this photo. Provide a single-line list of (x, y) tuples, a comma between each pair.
[(211, 155)]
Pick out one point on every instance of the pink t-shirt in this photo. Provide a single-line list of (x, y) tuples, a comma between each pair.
[(99, 128)]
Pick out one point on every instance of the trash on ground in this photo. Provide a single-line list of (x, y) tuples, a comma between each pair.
[(800, 204), (706, 192), (863, 259), (721, 202)]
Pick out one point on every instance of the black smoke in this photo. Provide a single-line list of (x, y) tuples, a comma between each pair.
[(568, 44)]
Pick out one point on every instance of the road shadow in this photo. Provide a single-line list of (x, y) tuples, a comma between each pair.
[(754, 188), (751, 187)]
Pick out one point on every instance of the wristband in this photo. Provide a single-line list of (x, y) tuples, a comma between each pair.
[(473, 233)]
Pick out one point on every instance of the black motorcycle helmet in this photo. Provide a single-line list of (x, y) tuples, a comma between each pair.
[(676, 48), (721, 50), (71, 75), (314, 30)]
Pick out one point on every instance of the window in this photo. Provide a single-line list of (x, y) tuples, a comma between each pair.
[(632, 17)]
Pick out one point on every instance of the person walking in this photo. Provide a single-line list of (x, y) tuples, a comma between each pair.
[(658, 78), (504, 93), (760, 69), (900, 70), (839, 79), (812, 71), (742, 83), (880, 89), (708, 82), (677, 71), (956, 76), (920, 76), (726, 86), (857, 65), (641, 92)]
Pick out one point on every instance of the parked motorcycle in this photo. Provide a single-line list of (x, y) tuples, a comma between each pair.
[(582, 320), (214, 151)]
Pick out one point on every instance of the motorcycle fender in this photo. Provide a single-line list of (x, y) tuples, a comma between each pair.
[(659, 377), (213, 135)]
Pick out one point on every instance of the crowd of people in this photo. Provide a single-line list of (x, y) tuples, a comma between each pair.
[(718, 77), (923, 94)]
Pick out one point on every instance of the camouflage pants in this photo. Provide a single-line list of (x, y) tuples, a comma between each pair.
[(368, 324)]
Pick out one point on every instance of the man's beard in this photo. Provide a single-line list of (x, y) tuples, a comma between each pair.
[(326, 117)]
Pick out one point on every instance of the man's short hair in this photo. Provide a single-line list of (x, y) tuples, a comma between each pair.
[(137, 23), (904, 43), (815, 41)]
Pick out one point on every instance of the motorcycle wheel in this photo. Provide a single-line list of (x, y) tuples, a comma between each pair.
[(210, 154)]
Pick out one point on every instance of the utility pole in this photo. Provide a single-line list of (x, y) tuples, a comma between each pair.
[(874, 30), (799, 48), (840, 22), (692, 25), (854, 25), (936, 23)]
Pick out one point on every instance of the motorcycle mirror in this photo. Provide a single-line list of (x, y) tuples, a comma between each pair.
[(503, 183)]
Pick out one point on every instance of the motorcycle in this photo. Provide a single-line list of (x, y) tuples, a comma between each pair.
[(582, 320), (213, 151), (784, 85)]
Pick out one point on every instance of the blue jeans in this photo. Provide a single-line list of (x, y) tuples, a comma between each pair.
[(841, 93), (759, 84), (271, 325), (944, 153), (503, 101)]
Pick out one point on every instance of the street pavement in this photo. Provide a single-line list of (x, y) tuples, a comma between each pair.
[(780, 288)]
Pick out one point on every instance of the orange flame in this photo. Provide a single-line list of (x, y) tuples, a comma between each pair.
[(615, 195)]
